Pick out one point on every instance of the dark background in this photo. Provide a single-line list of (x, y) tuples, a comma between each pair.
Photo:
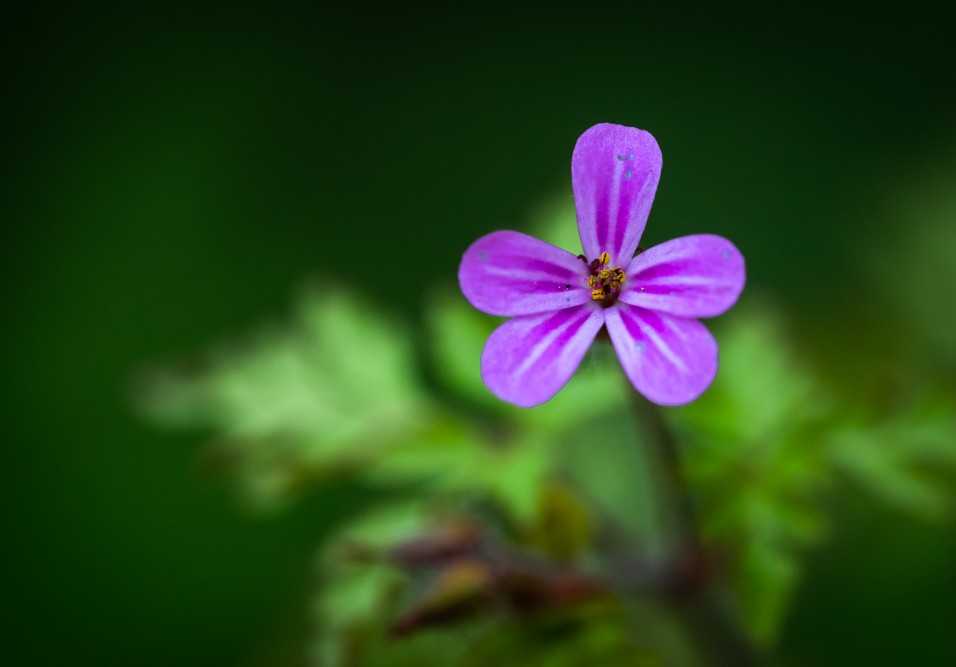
[(171, 176)]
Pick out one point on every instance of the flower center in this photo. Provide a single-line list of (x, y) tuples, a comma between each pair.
[(604, 280)]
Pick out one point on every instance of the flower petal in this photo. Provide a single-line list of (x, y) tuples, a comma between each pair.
[(614, 172), (528, 359), (691, 276), (671, 360), (509, 273)]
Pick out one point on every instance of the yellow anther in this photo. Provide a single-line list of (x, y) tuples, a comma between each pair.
[(605, 280)]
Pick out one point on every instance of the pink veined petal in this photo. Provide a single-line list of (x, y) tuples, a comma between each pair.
[(614, 173), (509, 273), (690, 276), (669, 359), (528, 359)]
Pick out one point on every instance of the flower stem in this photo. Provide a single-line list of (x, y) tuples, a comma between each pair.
[(690, 592)]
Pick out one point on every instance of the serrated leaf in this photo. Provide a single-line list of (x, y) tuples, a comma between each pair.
[(330, 392), (757, 462)]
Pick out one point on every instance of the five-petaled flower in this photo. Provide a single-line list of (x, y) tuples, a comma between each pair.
[(559, 301)]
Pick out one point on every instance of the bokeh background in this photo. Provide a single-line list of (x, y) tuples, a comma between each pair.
[(172, 176)]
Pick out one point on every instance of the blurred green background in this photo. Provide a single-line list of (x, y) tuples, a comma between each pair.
[(171, 176)]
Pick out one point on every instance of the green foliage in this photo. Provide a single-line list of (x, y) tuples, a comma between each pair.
[(771, 446), (583, 433), (756, 465), (335, 391), (594, 634), (559, 490), (356, 586), (906, 459)]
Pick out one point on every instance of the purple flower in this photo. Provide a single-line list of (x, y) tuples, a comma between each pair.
[(559, 301)]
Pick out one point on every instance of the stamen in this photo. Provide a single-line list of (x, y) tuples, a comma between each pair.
[(605, 280)]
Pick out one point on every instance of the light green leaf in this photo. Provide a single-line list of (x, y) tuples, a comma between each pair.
[(332, 392), (456, 336), (757, 461)]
